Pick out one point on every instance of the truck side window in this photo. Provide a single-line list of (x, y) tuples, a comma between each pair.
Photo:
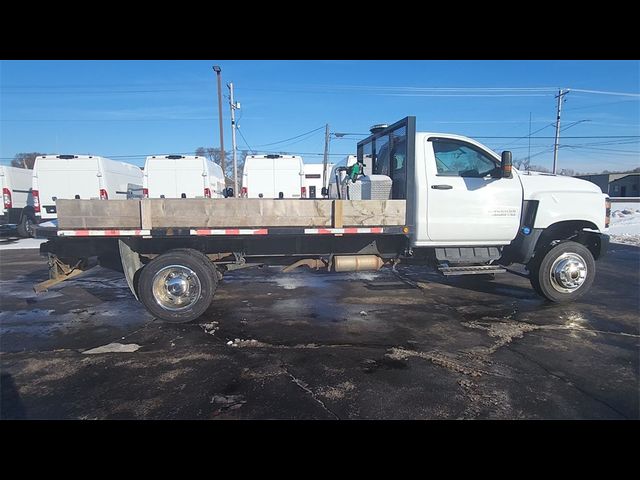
[(458, 159), (381, 163)]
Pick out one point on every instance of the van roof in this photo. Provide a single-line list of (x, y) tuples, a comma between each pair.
[(273, 155), (69, 157), (174, 157)]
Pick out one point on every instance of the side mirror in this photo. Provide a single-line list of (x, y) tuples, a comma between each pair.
[(506, 164), (324, 192), (228, 192)]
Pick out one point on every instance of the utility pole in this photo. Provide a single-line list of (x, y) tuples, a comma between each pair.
[(218, 71), (326, 155), (560, 97), (529, 154), (233, 106)]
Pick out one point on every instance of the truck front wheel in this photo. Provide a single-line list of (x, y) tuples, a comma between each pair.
[(564, 272), (178, 286)]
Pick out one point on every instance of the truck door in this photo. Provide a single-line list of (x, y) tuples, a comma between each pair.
[(465, 203)]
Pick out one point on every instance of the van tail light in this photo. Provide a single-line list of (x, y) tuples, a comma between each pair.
[(103, 194), (36, 200), (303, 192), (244, 192), (207, 193), (145, 193), (607, 214), (6, 198)]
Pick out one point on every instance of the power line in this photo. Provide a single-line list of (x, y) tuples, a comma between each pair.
[(600, 104), (584, 136), (244, 139), (604, 92), (522, 138), (292, 138)]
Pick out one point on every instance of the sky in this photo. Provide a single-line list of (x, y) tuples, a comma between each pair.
[(129, 109)]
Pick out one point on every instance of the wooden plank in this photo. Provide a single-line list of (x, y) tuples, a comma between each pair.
[(337, 214), (86, 214), (356, 213), (227, 213), (145, 214), (231, 213)]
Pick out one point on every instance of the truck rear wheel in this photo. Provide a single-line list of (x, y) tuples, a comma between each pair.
[(178, 286), (25, 227), (564, 272)]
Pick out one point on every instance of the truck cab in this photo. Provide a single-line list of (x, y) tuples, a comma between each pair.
[(468, 207)]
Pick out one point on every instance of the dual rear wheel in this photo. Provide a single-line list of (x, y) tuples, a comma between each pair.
[(178, 286)]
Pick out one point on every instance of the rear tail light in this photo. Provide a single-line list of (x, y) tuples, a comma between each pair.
[(207, 193), (36, 200), (607, 217), (6, 198), (145, 193), (303, 192), (244, 192), (103, 194)]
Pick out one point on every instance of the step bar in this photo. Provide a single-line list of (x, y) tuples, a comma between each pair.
[(471, 270)]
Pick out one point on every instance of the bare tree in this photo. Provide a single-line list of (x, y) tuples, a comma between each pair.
[(539, 168), (25, 160), (213, 154)]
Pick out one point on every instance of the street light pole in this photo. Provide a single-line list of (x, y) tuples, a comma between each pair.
[(218, 71)]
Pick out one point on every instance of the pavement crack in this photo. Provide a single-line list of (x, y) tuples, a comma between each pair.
[(569, 383), (303, 386)]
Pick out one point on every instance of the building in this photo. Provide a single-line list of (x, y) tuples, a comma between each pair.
[(616, 184), (627, 186)]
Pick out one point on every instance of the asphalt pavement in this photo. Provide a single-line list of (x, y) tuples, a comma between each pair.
[(307, 345)]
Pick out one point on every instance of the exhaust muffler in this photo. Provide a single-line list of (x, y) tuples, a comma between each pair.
[(357, 263)]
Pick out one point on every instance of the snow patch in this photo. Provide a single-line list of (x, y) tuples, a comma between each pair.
[(625, 223), (113, 348), (21, 244)]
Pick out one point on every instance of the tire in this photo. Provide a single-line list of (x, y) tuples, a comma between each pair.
[(563, 273), (178, 286), (25, 227)]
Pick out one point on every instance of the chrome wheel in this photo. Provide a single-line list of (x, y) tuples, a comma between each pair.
[(568, 272), (176, 288)]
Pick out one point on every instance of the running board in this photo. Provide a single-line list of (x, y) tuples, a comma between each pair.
[(471, 270)]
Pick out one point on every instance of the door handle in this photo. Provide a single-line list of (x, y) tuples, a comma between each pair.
[(441, 187)]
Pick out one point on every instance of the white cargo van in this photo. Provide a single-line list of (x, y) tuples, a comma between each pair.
[(178, 176), (273, 176), (314, 179), (81, 176), (16, 192)]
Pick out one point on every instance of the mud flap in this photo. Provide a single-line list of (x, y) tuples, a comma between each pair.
[(130, 264)]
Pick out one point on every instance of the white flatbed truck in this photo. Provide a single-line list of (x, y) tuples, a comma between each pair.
[(453, 204)]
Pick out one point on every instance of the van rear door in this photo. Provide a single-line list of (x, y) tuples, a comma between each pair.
[(173, 177), (66, 178), (288, 177), (260, 178)]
